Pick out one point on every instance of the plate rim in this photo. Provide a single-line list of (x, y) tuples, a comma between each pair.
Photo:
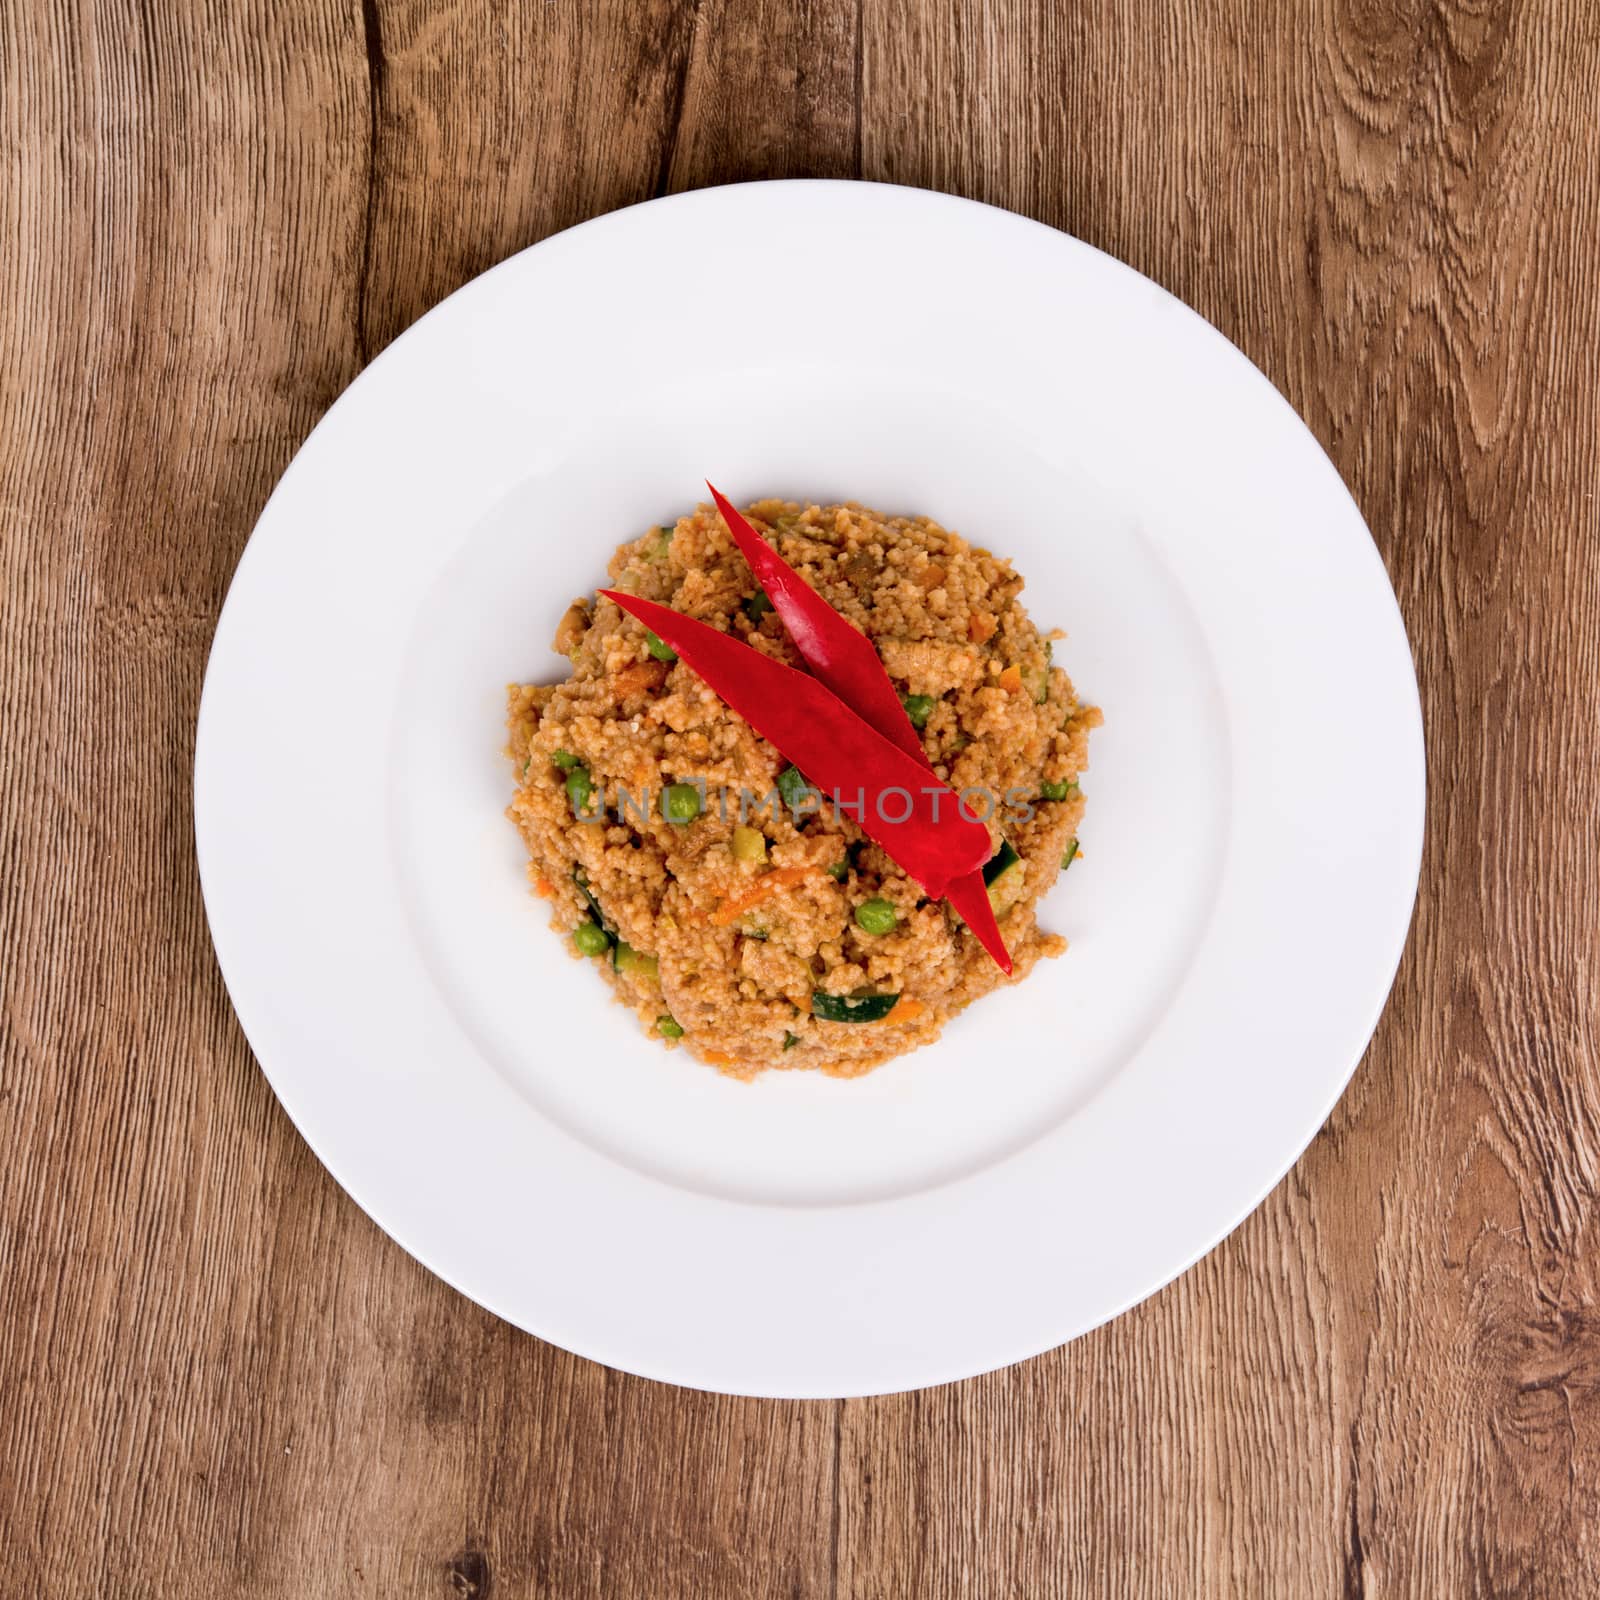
[(236, 983)]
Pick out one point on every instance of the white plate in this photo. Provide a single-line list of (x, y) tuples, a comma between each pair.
[(1250, 852)]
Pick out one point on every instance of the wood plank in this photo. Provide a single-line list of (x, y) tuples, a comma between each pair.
[(1382, 1383), (218, 1377), (214, 1336), (177, 313)]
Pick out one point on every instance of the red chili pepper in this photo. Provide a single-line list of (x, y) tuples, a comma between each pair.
[(848, 663), (838, 653), (935, 840)]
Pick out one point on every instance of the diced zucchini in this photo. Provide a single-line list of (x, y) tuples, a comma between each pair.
[(626, 959), (748, 844), (793, 788), (581, 878), (852, 1007), (1003, 858), (1003, 877)]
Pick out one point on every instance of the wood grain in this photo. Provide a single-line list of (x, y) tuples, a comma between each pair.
[(218, 1378)]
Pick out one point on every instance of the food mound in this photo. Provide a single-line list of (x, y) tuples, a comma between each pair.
[(733, 906)]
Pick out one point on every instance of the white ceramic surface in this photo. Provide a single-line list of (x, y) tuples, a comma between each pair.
[(1067, 1147)]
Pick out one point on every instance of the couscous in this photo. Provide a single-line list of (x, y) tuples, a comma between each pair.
[(734, 909)]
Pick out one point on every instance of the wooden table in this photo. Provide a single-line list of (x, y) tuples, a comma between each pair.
[(217, 1378)]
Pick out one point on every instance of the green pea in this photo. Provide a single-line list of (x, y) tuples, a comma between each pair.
[(839, 870), (668, 1029), (1072, 850), (680, 803), (590, 939), (1057, 791), (660, 650), (564, 759), (580, 786), (757, 606), (919, 707), (876, 916)]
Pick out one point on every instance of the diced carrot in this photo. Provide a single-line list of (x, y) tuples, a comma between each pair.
[(763, 888), (543, 888), (981, 627), (1011, 680), (906, 1010), (717, 1058), (933, 576)]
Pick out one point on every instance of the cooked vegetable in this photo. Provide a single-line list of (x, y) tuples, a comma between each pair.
[(852, 1007), (839, 870), (581, 878), (847, 662), (668, 1029), (662, 652), (1070, 856), (591, 939), (919, 707), (749, 844), (571, 628), (763, 888), (876, 916), (757, 606), (1057, 791), (640, 677), (580, 786), (792, 787), (1011, 679), (564, 759), (1003, 859), (841, 656), (626, 959), (1004, 877), (790, 1040), (680, 803)]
